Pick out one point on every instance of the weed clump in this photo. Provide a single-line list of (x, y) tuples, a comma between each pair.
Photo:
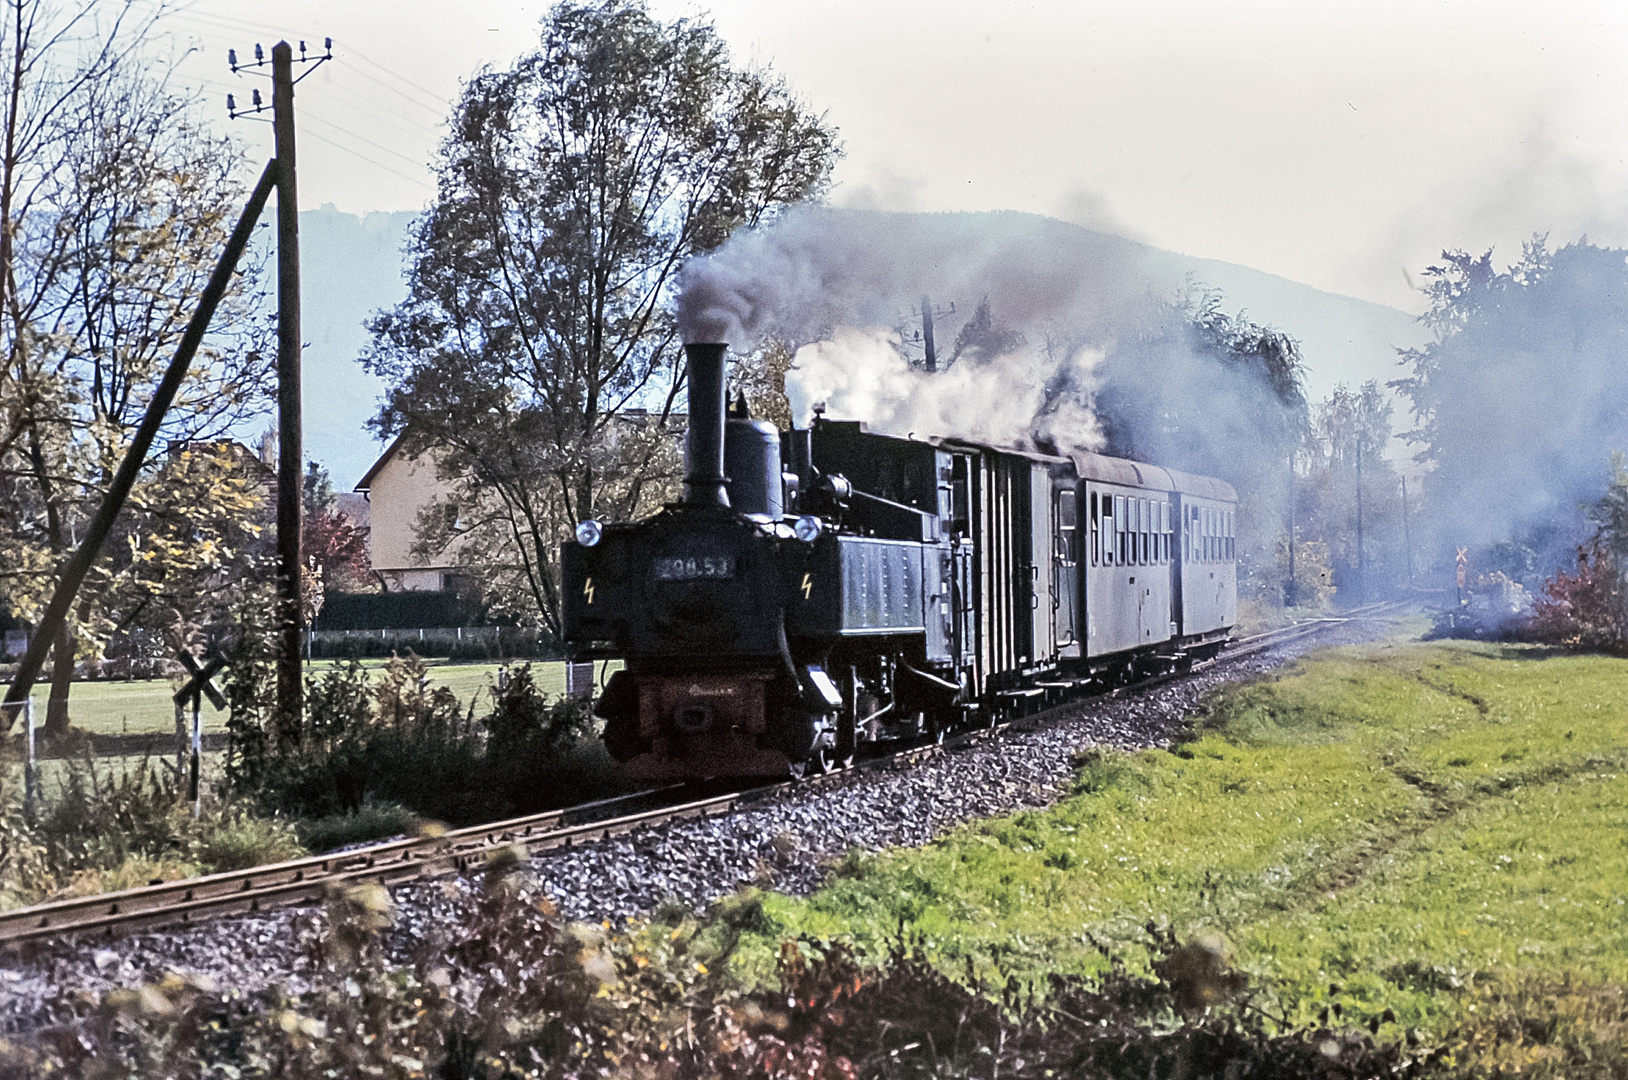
[(1538, 1027), (107, 826)]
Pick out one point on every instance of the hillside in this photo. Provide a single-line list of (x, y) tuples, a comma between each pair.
[(353, 266)]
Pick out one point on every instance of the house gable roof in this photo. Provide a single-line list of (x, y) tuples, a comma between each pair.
[(366, 482)]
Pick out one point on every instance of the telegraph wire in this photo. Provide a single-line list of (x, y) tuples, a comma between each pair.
[(317, 135), (357, 103), (430, 95), (362, 138)]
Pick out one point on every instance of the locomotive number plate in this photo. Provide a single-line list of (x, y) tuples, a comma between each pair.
[(693, 567)]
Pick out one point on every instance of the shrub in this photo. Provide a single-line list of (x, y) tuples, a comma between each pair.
[(1584, 610), (106, 827), (373, 821), (102, 815), (1539, 1028), (234, 839), (396, 739)]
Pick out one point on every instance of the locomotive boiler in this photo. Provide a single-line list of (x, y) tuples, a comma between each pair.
[(821, 588)]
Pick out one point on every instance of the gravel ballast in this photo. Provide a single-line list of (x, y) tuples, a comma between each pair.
[(788, 843)]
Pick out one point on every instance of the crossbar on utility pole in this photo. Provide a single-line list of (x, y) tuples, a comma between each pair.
[(290, 443)]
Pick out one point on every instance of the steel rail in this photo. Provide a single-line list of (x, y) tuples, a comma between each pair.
[(312, 872), (296, 881)]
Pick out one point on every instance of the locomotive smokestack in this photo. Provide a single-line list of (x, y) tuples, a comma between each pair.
[(704, 444)]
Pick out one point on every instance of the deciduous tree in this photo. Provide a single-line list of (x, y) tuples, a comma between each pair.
[(572, 187), (114, 205)]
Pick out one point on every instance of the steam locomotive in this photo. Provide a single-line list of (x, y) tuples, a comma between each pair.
[(825, 587)]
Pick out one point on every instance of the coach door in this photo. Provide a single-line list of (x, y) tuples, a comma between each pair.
[(1065, 589), (1041, 557), (963, 588)]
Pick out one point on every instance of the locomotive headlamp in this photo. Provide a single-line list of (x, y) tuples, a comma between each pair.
[(808, 528), (589, 532)]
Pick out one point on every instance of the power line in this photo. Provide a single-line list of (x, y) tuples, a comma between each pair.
[(400, 78), (424, 132), (363, 157), (363, 138)]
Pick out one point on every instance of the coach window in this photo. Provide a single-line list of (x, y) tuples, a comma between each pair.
[(1110, 539), (1110, 551), (1169, 538), (1091, 526), (1107, 530), (1127, 556), (1142, 530), (1139, 532), (1139, 553), (1122, 524), (1232, 534), (1066, 508), (1105, 539)]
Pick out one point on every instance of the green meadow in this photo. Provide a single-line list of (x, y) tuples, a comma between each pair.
[(110, 707), (1385, 831)]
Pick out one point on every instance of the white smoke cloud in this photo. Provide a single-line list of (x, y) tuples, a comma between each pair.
[(838, 285), (814, 270), (861, 374)]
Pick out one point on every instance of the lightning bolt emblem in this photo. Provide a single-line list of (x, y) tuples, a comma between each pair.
[(808, 585), (588, 590)]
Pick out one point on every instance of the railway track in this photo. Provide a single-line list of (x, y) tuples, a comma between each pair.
[(300, 881)]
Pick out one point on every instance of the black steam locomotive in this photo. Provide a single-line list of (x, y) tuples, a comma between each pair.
[(878, 588)]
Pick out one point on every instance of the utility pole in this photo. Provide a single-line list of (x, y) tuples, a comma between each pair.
[(73, 571), (1362, 564), (927, 334), (1407, 531), (290, 442)]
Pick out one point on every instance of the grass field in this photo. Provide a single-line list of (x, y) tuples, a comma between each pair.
[(1391, 827), (112, 708)]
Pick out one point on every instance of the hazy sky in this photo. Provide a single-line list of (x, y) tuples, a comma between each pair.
[(1342, 145)]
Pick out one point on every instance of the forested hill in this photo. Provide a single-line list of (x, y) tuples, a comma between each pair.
[(353, 266)]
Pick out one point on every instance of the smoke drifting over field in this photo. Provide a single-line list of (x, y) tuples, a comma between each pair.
[(1526, 401)]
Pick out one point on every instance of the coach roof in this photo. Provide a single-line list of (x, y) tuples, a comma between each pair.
[(1112, 470)]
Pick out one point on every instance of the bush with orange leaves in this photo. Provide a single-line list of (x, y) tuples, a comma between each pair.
[(1584, 610)]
